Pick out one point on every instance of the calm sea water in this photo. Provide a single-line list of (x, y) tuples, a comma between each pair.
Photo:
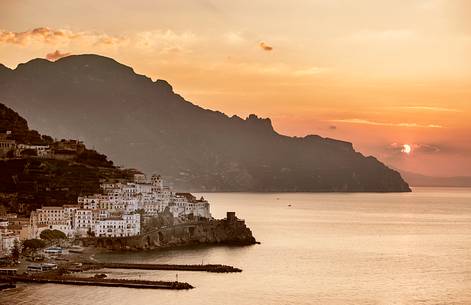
[(325, 249)]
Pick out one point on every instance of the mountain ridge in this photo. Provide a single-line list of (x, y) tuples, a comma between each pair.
[(144, 124)]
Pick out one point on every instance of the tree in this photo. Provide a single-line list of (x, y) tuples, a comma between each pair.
[(11, 154), (90, 233), (52, 234), (29, 153), (16, 250), (33, 244)]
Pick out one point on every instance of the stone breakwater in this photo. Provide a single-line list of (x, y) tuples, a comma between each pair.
[(70, 280), (230, 231), (215, 268)]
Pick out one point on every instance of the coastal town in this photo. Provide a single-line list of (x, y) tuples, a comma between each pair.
[(118, 210), (61, 203)]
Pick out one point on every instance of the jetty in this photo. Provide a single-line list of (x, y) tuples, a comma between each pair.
[(70, 280), (215, 268)]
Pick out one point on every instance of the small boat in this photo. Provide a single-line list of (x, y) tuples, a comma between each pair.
[(53, 250), (289, 205)]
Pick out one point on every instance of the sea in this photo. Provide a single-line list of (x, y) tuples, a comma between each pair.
[(316, 248)]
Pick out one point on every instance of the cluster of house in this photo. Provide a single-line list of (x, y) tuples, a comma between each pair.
[(150, 197), (114, 213), (64, 149)]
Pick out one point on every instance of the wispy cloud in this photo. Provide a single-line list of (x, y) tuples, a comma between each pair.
[(310, 71), (427, 148), (265, 47), (161, 41), (166, 41), (56, 55), (367, 122), (416, 148), (427, 108), (383, 35), (234, 38), (53, 36)]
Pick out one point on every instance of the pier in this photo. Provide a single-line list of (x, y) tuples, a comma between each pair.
[(69, 280), (216, 268)]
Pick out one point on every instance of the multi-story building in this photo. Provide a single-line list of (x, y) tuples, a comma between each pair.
[(7, 238), (126, 225), (187, 204), (84, 222), (20, 227)]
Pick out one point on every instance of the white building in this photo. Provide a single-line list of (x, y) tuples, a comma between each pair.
[(127, 225), (42, 151), (7, 242), (7, 238), (83, 220), (114, 213), (153, 198), (187, 204), (89, 202)]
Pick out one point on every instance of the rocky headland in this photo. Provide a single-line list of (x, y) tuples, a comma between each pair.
[(229, 231)]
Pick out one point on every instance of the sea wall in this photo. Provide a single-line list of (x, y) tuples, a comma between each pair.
[(226, 231)]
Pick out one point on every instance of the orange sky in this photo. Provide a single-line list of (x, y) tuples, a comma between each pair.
[(377, 73)]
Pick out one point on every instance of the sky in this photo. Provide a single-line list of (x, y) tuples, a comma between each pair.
[(379, 74)]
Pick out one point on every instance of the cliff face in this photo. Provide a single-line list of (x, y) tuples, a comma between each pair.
[(144, 124), (209, 232)]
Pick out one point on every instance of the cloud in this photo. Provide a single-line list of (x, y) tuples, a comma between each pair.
[(387, 35), (234, 38), (56, 55), (310, 71), (41, 34), (367, 122), (427, 148), (416, 148), (265, 47), (54, 36), (428, 108), (164, 41), (155, 41)]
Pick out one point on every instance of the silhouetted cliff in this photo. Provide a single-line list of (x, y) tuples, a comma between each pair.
[(144, 124)]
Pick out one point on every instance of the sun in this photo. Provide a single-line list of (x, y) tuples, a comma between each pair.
[(406, 148)]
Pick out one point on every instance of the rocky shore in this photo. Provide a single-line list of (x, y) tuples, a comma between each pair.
[(229, 231)]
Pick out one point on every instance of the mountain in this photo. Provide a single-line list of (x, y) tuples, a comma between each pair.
[(27, 182), (144, 124), (422, 180)]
